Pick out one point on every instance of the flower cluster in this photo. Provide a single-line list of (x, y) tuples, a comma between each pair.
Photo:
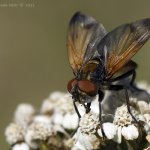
[(55, 121), (56, 125)]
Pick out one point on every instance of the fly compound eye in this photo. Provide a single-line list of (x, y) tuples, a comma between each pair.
[(88, 87), (71, 84)]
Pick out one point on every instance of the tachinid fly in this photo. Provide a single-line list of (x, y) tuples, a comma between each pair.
[(98, 59)]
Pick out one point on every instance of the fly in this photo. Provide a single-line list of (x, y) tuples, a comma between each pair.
[(98, 59)]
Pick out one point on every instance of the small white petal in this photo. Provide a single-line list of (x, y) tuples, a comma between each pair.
[(109, 130), (60, 129), (118, 136), (74, 121), (58, 118), (21, 146), (47, 107), (99, 131), (42, 119), (130, 132), (67, 121), (70, 121), (95, 106)]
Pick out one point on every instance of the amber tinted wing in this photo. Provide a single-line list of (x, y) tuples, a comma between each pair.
[(122, 43), (83, 36), (129, 66)]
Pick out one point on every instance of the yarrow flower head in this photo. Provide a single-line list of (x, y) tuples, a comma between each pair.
[(124, 122), (89, 123), (63, 111), (51, 104), (38, 131), (24, 114), (86, 134), (14, 133)]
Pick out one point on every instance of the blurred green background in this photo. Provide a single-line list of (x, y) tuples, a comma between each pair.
[(33, 55)]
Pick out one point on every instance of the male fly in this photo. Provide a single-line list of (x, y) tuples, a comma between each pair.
[(98, 59)]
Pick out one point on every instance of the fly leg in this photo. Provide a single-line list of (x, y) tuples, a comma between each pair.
[(76, 109), (100, 98), (79, 116), (121, 87)]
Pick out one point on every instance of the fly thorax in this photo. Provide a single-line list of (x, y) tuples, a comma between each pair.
[(98, 75)]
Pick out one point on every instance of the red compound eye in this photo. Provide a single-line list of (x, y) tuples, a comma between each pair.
[(88, 87), (71, 84)]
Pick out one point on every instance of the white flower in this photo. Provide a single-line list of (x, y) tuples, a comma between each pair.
[(14, 133), (55, 96), (89, 123), (143, 106), (67, 120), (86, 133), (109, 129), (124, 122), (86, 141), (53, 102), (38, 131), (56, 102), (122, 117), (63, 110), (47, 107), (24, 114), (20, 146), (65, 105)]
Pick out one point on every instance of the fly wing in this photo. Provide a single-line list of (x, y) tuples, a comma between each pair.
[(129, 66), (83, 36), (121, 44)]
